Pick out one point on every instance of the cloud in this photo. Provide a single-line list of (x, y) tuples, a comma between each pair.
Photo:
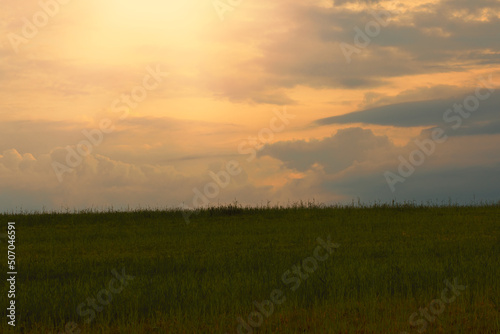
[(284, 52), (352, 164), (30, 182), (334, 153), (262, 55), (423, 39), (420, 113), (135, 139), (436, 185)]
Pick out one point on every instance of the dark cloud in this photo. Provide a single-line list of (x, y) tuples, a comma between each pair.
[(421, 113), (437, 185), (352, 163), (474, 129), (429, 39), (334, 153)]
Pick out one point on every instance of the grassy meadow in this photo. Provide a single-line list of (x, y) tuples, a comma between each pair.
[(391, 263)]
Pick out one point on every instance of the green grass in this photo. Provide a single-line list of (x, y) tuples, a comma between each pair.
[(200, 277)]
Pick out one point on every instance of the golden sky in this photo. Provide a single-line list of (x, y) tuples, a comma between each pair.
[(183, 88)]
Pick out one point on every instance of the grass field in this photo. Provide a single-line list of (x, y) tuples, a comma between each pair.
[(390, 265)]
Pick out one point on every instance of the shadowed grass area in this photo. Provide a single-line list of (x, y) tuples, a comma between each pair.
[(200, 277)]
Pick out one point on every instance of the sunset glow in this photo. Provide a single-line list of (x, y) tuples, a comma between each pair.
[(67, 68)]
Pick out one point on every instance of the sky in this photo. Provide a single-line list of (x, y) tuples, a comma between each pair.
[(126, 103)]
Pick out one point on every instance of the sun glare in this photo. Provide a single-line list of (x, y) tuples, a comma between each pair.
[(156, 13)]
